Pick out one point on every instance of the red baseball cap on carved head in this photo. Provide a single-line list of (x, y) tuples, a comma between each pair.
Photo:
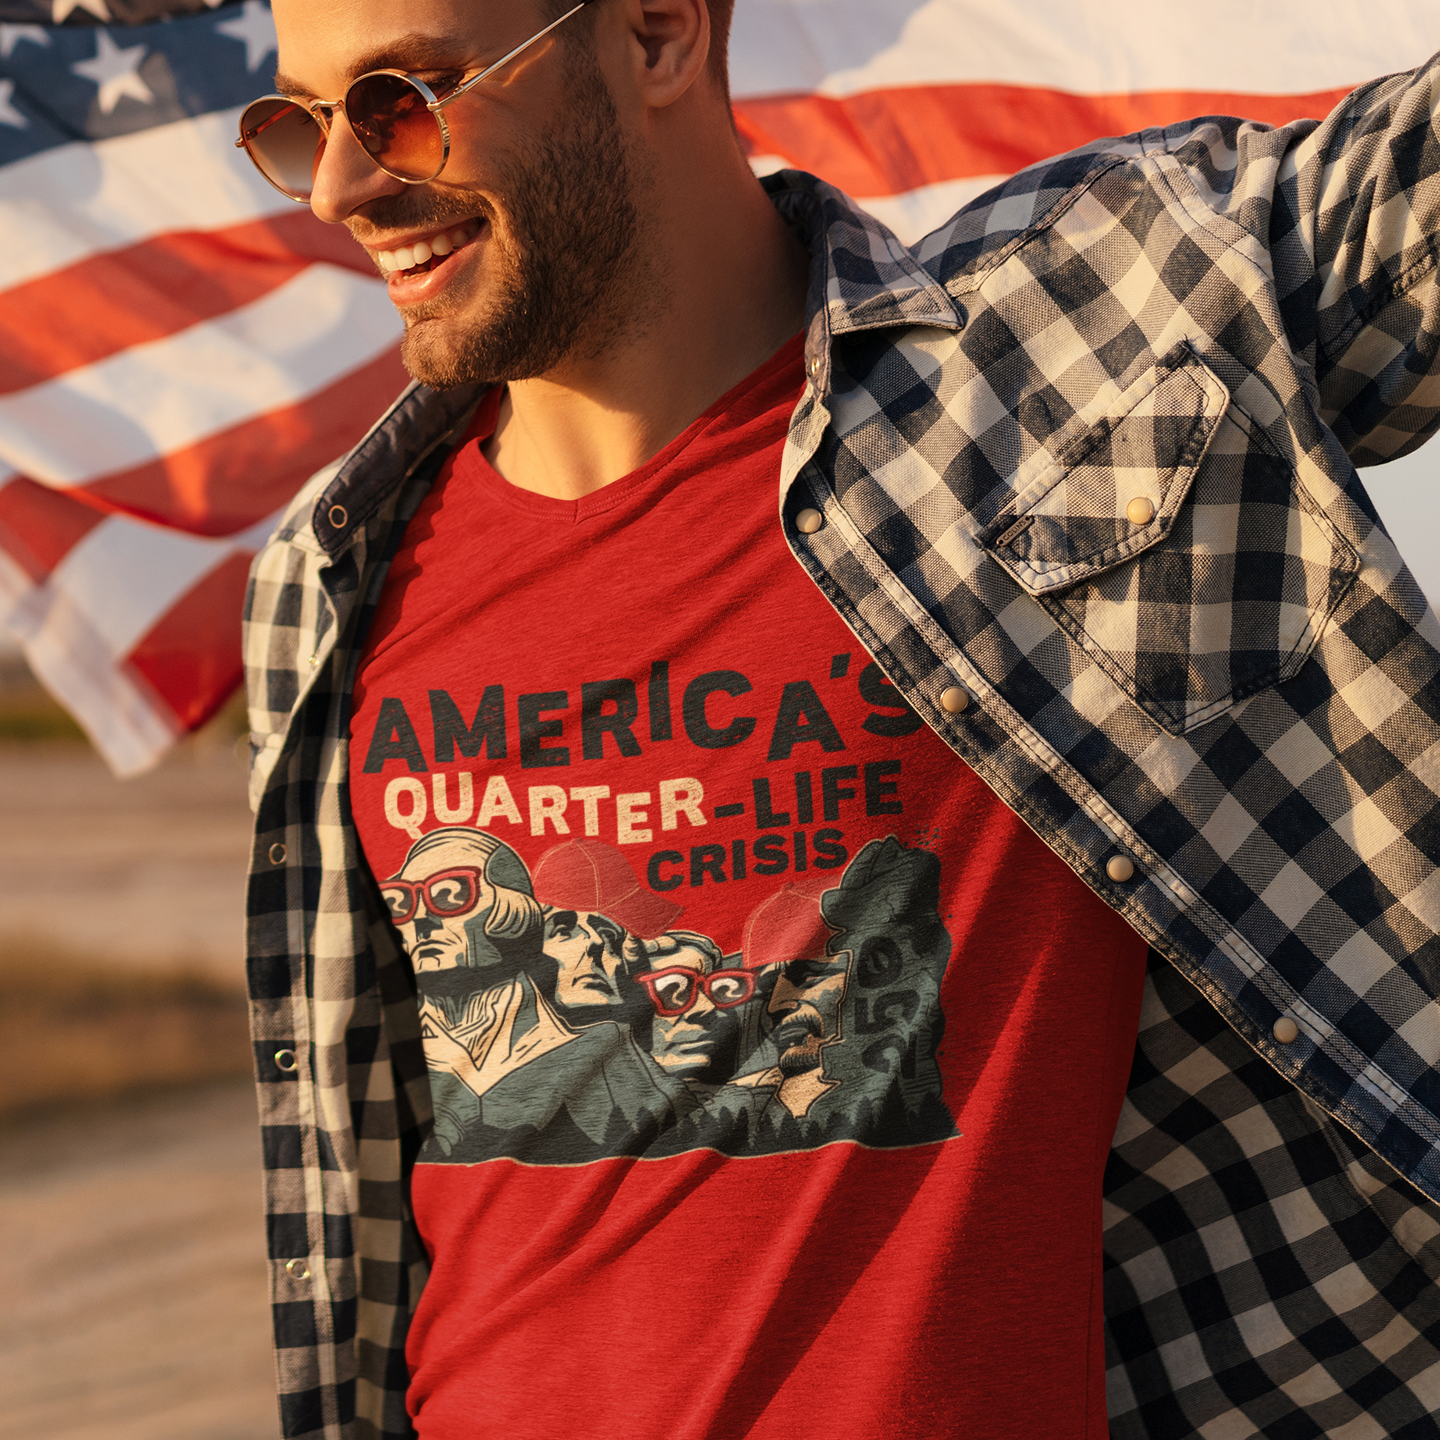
[(787, 925), (595, 878)]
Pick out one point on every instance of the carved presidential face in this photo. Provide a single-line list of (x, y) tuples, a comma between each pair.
[(587, 950), (436, 898), (805, 1009), (696, 1029)]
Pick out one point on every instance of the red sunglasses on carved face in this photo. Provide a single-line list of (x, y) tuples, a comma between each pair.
[(396, 117), (446, 893), (672, 991)]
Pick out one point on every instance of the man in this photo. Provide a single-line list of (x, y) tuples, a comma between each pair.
[(472, 929), (1077, 473), (695, 1031), (855, 1017), (592, 970), (462, 899)]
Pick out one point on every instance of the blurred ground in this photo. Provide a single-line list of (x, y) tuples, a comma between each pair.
[(133, 1273), (133, 1256), (147, 873)]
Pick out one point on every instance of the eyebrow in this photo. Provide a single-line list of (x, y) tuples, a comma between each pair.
[(414, 54)]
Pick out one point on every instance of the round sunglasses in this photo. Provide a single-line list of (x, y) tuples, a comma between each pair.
[(395, 116)]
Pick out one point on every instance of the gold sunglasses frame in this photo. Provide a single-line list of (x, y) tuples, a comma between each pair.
[(433, 105)]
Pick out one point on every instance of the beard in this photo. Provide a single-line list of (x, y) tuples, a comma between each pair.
[(563, 263), (799, 1037)]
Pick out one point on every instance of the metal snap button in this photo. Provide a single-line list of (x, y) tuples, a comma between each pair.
[(287, 1061), (807, 522), (298, 1269), (954, 700), (814, 366), (1120, 868), (277, 854), (1140, 511), (1285, 1030), (338, 516)]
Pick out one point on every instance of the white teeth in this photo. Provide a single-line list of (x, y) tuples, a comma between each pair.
[(445, 243)]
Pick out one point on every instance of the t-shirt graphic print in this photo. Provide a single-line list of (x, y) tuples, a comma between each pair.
[(761, 1035), (560, 1034)]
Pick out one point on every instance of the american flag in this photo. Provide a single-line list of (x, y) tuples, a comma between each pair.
[(181, 346)]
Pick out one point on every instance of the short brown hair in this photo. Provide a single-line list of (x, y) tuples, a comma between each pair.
[(721, 13)]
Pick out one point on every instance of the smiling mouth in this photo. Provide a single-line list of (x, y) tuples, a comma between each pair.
[(424, 255)]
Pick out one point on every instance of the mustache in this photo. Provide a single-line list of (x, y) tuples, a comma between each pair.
[(414, 211), (805, 1020)]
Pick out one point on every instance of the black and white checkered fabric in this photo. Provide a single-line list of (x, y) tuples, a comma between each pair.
[(1088, 452)]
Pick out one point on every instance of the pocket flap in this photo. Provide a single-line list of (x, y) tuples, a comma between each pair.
[(1112, 489)]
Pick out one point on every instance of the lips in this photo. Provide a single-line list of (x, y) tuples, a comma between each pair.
[(420, 256)]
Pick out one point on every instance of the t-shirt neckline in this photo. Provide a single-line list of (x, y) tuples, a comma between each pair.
[(473, 470)]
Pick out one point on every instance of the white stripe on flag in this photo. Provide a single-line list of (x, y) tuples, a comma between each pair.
[(838, 47), (155, 398), (159, 566), (61, 205), (77, 666)]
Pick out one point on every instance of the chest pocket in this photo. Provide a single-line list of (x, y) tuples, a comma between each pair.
[(1176, 546)]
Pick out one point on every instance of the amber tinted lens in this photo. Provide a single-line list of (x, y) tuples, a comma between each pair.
[(283, 140), (390, 119)]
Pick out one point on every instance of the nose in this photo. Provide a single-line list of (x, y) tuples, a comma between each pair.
[(346, 178), (784, 998)]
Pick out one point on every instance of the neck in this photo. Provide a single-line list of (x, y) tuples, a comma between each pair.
[(721, 286)]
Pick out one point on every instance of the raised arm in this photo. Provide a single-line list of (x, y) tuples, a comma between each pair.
[(1354, 230)]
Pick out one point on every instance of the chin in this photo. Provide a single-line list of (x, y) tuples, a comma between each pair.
[(436, 359)]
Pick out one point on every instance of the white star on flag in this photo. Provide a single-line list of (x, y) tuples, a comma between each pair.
[(12, 35), (116, 72), (9, 115), (62, 8), (255, 26)]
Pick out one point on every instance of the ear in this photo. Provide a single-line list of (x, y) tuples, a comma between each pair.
[(668, 45)]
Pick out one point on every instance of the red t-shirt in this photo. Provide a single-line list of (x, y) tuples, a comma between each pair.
[(775, 1061)]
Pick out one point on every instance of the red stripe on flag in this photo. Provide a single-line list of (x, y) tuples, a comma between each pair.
[(39, 526), (885, 142), (190, 657), (109, 302), (238, 476)]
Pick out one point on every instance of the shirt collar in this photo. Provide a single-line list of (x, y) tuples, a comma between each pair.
[(861, 276)]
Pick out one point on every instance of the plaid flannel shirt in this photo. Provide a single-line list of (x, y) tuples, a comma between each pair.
[(1233, 685)]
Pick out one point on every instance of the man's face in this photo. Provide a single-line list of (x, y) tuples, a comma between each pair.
[(435, 939), (701, 1041), (587, 952), (534, 204), (805, 1006)]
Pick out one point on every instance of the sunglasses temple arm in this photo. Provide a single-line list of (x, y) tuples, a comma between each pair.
[(505, 59)]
